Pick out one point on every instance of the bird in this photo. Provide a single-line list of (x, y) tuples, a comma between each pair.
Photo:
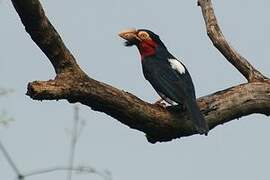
[(167, 75)]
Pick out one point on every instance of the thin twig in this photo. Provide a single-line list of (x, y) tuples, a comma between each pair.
[(81, 127), (70, 169), (85, 169), (74, 138), (10, 161)]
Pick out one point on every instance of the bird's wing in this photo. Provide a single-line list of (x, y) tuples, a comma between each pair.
[(172, 79)]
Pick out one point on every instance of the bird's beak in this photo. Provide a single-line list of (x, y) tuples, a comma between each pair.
[(129, 35)]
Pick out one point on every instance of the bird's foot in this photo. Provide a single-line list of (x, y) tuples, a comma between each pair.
[(160, 103), (178, 107)]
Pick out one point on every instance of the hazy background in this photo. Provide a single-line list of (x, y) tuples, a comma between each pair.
[(37, 138)]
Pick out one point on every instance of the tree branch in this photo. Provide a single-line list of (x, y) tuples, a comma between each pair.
[(45, 36), (159, 124), (215, 34)]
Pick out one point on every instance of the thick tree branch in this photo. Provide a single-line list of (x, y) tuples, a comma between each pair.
[(159, 124), (215, 34), (45, 36)]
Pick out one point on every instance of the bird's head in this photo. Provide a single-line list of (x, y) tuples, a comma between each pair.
[(146, 41)]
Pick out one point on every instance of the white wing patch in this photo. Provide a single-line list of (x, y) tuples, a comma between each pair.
[(176, 65)]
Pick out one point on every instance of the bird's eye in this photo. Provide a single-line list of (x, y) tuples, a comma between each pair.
[(143, 35)]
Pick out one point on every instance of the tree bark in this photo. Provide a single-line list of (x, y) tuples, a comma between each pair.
[(219, 41), (159, 124)]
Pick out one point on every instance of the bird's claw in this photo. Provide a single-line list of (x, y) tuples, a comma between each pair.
[(160, 103)]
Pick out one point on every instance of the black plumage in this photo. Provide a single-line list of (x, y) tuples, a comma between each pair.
[(168, 76)]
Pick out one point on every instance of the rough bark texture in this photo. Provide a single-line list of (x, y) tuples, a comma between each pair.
[(159, 124)]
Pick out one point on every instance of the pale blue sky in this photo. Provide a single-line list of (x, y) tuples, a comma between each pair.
[(37, 138)]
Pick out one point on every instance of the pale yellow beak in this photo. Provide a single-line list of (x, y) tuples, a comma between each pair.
[(129, 34)]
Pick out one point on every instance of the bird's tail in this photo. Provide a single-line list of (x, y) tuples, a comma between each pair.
[(197, 117)]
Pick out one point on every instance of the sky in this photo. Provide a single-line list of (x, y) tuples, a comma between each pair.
[(38, 138)]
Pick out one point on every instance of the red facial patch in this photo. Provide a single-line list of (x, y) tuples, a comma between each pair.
[(147, 48)]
